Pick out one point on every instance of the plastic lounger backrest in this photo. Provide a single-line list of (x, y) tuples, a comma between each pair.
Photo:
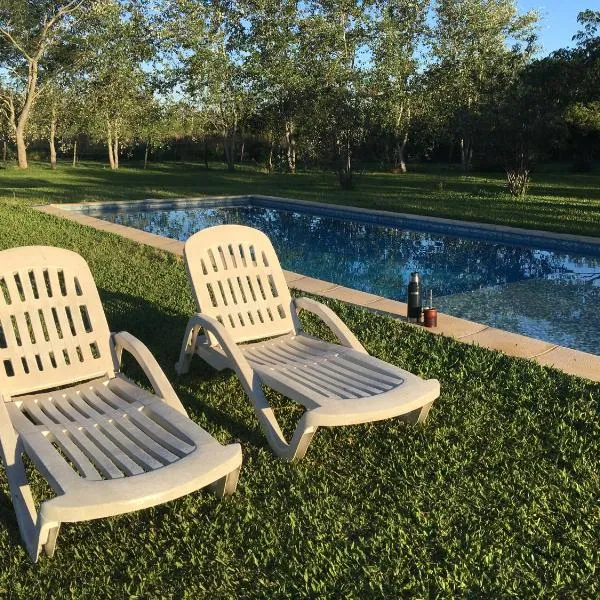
[(53, 330), (237, 279)]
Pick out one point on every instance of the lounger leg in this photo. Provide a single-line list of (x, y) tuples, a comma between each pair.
[(20, 492), (226, 485), (182, 366), (50, 545), (417, 416), (23, 504), (305, 430), (300, 441)]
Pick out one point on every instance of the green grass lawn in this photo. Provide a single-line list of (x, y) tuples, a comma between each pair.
[(495, 496), (557, 202)]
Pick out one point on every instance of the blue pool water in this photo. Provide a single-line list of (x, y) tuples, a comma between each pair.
[(521, 286)]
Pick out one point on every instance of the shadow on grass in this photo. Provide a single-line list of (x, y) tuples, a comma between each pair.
[(8, 519), (162, 333)]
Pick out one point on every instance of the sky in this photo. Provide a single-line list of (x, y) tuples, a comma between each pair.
[(558, 23)]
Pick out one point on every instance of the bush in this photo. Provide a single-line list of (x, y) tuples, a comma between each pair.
[(518, 180)]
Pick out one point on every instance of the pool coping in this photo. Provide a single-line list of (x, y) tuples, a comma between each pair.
[(574, 362), (471, 229)]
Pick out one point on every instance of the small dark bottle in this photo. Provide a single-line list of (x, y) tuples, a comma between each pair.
[(414, 298)]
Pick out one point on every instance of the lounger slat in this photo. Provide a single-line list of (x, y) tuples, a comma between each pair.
[(339, 387), (152, 429), (80, 460), (357, 387), (113, 399), (36, 413), (362, 379), (96, 402), (370, 365), (53, 466), (320, 391), (100, 460), (282, 352), (146, 444), (62, 404), (118, 455), (47, 406)]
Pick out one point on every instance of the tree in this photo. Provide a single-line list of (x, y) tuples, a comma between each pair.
[(205, 39), (113, 84), (583, 113), (472, 63), (276, 70), (28, 30), (54, 113), (399, 30), (557, 100), (334, 44)]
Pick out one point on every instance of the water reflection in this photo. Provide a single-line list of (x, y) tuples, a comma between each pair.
[(471, 278)]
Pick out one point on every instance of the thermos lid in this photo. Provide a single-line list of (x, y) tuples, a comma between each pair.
[(415, 277)]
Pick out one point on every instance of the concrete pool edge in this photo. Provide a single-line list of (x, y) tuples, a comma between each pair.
[(571, 361), (502, 233)]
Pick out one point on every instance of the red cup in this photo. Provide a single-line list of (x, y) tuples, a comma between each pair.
[(430, 317)]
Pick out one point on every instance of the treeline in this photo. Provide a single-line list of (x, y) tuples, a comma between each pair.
[(284, 82)]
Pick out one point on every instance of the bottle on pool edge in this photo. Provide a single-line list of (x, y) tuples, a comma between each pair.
[(414, 298)]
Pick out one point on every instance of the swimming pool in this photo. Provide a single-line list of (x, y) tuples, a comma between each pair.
[(544, 287)]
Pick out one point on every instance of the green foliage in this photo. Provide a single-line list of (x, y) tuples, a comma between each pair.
[(206, 42), (495, 496), (473, 65), (557, 98), (585, 117), (114, 42), (316, 83)]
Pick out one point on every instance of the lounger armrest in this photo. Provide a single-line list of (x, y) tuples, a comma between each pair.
[(253, 387), (161, 385), (224, 339), (335, 324), (8, 435)]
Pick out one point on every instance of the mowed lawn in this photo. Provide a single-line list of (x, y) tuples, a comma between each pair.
[(559, 201), (495, 496)]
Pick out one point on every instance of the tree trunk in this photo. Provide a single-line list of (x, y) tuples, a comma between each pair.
[(229, 147), (206, 153), (52, 140), (109, 143), (402, 124), (75, 153), (21, 148), (4, 151), (242, 151), (146, 155), (290, 137), (400, 150), (116, 150), (20, 123), (270, 159), (466, 154), (345, 172)]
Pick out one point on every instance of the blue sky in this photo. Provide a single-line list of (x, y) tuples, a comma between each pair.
[(558, 23)]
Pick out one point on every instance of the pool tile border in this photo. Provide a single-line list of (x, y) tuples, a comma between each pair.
[(509, 235), (568, 360)]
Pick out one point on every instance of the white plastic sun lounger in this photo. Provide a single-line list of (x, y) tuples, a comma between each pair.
[(104, 445), (242, 296)]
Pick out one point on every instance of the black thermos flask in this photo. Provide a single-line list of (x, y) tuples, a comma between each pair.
[(414, 297)]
